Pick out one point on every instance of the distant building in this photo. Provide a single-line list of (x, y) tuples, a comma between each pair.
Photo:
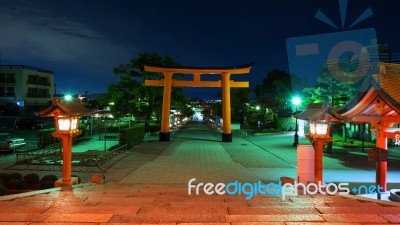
[(26, 86)]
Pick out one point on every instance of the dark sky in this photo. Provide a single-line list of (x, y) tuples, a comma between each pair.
[(82, 41)]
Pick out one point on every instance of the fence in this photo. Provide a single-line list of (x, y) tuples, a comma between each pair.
[(50, 159)]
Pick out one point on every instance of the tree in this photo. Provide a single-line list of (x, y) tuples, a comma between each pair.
[(122, 96), (130, 95), (239, 100), (274, 93), (329, 89), (181, 103)]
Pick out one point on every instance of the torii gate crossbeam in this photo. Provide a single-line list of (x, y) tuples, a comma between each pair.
[(225, 83)]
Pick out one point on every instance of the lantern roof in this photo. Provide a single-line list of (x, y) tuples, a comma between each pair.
[(64, 108), (319, 111), (377, 99)]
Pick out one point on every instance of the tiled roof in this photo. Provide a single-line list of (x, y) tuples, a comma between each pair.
[(389, 80), (72, 108), (386, 83), (319, 111)]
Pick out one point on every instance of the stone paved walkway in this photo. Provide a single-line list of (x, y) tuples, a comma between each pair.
[(149, 186)]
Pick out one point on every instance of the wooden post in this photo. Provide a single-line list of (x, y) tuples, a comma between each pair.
[(67, 159), (381, 167), (318, 163)]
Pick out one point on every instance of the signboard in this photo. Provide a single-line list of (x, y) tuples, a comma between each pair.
[(305, 163)]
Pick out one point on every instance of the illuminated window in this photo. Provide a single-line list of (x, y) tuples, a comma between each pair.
[(64, 123)]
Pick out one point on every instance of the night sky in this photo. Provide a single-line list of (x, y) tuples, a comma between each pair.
[(82, 41)]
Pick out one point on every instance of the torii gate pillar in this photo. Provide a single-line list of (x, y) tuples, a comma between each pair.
[(164, 133), (226, 108)]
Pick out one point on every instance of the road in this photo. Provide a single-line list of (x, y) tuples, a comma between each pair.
[(30, 136)]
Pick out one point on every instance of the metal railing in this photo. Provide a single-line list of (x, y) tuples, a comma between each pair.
[(37, 156), (50, 159)]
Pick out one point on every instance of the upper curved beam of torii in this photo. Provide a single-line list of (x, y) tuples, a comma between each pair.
[(241, 69), (197, 71)]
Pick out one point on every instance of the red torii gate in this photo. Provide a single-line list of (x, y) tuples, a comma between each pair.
[(226, 84), (379, 105)]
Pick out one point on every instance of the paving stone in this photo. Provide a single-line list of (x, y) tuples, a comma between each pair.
[(393, 218), (94, 210), (359, 210), (15, 223), (214, 210), (168, 218), (326, 223), (23, 217), (204, 223), (285, 204), (208, 204), (354, 218), (82, 218), (57, 223), (137, 224), (258, 223), (351, 204), (272, 211), (381, 223), (120, 201), (273, 218), (18, 209)]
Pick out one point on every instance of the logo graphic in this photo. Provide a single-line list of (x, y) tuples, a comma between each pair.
[(347, 55), (284, 190)]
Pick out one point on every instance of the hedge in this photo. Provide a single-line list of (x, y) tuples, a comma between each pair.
[(14, 176), (31, 178), (45, 136), (131, 136)]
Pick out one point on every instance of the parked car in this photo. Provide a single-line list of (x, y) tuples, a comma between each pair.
[(8, 143), (30, 123)]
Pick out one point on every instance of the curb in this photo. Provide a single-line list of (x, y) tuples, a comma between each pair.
[(45, 191)]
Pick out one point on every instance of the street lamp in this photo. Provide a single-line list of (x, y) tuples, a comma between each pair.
[(68, 97), (319, 117), (296, 101), (66, 116), (258, 118)]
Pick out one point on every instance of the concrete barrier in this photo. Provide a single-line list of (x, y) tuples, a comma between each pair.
[(235, 126)]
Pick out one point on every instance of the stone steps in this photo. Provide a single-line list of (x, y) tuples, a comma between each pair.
[(170, 204)]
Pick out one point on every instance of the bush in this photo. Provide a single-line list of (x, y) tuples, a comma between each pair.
[(14, 184), (131, 136), (31, 178), (82, 128), (45, 137), (51, 178), (153, 128), (3, 176), (46, 184), (3, 190), (336, 138), (14, 176)]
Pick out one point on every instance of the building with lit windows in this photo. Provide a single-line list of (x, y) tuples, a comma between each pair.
[(26, 86)]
